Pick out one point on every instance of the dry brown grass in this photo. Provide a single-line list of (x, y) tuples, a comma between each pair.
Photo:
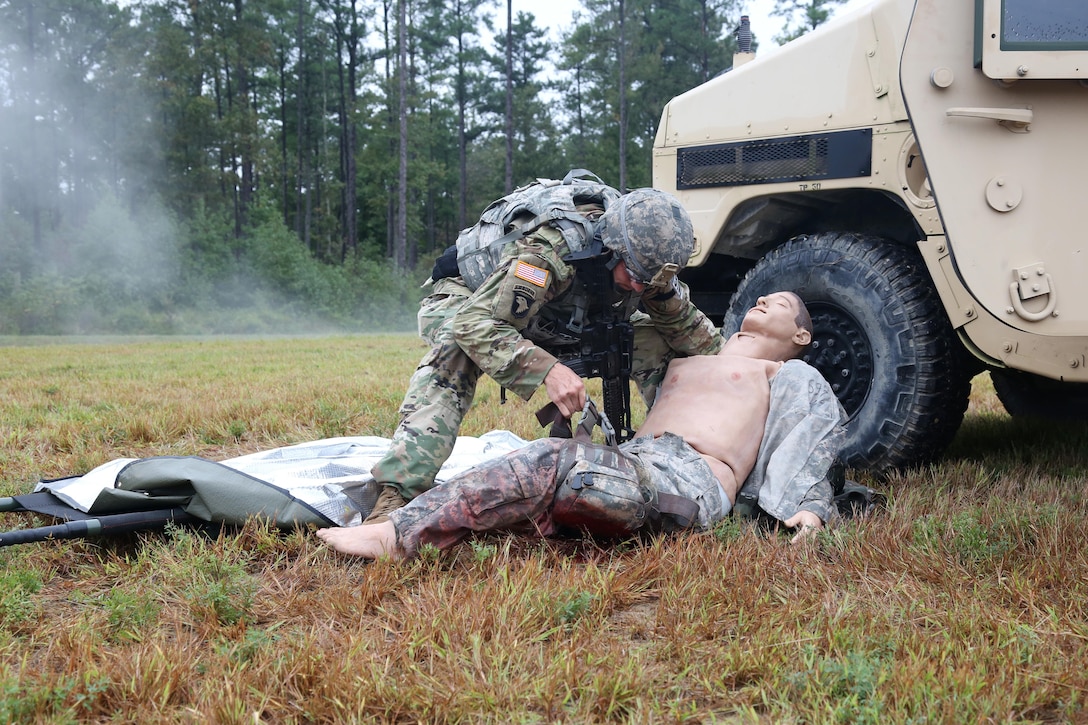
[(965, 600)]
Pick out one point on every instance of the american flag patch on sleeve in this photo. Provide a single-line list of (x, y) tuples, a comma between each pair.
[(531, 274)]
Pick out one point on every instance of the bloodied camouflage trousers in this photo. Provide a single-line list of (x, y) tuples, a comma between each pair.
[(443, 386), (516, 491)]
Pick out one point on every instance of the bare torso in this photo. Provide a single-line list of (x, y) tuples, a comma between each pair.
[(718, 404)]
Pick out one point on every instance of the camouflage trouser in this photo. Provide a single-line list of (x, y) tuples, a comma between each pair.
[(439, 394), (442, 388), (512, 492), (515, 491)]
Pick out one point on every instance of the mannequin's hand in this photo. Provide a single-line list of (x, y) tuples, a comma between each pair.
[(806, 523)]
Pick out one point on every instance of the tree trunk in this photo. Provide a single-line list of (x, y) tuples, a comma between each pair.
[(282, 77), (351, 233), (302, 94), (400, 241), (509, 182), (347, 38), (246, 136), (37, 197), (462, 141), (622, 63)]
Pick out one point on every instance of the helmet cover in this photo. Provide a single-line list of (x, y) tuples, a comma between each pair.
[(651, 233)]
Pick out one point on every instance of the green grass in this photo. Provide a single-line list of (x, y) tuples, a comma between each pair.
[(965, 600)]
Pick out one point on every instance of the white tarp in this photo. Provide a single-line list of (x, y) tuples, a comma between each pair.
[(315, 473)]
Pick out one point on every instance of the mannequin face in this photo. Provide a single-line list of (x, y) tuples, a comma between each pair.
[(775, 315), (770, 330)]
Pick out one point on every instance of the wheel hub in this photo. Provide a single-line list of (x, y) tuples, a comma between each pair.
[(841, 352)]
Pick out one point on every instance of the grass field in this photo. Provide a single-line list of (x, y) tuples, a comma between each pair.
[(964, 600)]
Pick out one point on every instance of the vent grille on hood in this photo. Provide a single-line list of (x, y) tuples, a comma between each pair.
[(838, 155)]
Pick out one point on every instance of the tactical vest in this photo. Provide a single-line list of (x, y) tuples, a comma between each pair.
[(545, 201)]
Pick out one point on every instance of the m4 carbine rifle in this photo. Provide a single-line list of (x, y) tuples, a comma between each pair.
[(605, 340)]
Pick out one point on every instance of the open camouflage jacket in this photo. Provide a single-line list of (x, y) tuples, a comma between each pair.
[(800, 443)]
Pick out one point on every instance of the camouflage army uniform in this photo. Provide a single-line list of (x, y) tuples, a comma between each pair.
[(515, 491), (489, 331)]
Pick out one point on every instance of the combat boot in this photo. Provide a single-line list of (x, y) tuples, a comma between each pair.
[(388, 501)]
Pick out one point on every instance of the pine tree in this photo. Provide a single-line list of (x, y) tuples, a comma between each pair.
[(802, 16)]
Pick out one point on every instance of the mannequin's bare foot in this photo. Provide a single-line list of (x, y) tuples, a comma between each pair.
[(370, 541)]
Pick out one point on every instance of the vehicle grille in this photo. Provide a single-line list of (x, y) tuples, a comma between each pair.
[(837, 155)]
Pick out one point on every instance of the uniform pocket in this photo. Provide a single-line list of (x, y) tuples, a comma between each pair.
[(435, 312), (603, 500)]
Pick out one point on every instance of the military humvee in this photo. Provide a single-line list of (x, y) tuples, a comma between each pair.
[(918, 172)]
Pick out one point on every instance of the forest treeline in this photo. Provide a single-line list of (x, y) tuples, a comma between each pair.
[(295, 165)]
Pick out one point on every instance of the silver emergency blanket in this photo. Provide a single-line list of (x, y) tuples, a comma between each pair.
[(314, 475)]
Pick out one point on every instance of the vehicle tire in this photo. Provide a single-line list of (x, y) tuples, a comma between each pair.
[(1027, 395), (881, 339)]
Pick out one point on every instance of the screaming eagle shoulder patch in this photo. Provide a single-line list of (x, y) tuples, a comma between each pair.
[(521, 303), (533, 275)]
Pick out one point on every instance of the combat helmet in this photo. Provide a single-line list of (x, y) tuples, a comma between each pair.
[(650, 233)]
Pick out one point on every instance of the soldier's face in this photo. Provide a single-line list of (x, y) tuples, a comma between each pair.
[(624, 281)]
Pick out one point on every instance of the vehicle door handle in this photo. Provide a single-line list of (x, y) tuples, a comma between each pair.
[(1014, 119)]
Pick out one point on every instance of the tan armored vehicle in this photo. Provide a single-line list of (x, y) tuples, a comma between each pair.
[(918, 172)]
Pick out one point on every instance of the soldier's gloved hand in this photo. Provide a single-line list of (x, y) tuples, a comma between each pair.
[(807, 524), (565, 389)]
